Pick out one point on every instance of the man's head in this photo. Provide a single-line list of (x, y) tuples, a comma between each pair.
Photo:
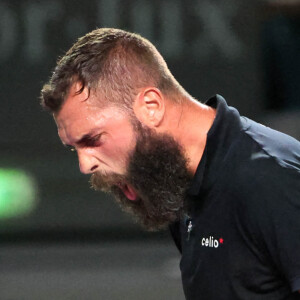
[(107, 95)]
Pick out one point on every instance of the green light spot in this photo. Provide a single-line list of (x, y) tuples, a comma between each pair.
[(17, 193)]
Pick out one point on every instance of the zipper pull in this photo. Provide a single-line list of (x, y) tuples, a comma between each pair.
[(189, 229)]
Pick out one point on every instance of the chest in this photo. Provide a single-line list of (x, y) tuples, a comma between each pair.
[(221, 255)]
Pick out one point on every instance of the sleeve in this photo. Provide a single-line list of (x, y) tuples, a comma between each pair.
[(279, 220)]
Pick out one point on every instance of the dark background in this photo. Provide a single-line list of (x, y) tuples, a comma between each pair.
[(211, 46)]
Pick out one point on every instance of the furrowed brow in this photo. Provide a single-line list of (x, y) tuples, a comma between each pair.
[(86, 138)]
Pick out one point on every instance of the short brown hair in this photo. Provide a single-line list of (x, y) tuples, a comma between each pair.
[(113, 60)]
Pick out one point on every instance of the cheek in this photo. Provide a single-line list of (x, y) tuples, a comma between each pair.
[(124, 142), (117, 151)]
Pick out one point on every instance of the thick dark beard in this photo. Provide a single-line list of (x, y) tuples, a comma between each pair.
[(157, 170)]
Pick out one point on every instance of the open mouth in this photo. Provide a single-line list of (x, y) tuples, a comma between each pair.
[(128, 191)]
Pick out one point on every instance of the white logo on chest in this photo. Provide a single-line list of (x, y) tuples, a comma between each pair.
[(211, 242)]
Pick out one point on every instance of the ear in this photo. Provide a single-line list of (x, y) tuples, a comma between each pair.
[(149, 106)]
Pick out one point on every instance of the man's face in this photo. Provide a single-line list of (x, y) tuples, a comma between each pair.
[(102, 137), (145, 171)]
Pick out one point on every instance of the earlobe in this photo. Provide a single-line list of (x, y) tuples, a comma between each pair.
[(149, 107)]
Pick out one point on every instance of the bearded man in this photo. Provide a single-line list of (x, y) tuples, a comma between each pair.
[(228, 188)]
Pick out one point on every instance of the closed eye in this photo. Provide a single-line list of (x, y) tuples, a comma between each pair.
[(88, 141)]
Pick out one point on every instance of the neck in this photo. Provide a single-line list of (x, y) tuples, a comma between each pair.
[(189, 123)]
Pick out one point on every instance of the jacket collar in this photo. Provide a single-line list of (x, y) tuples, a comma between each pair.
[(220, 137)]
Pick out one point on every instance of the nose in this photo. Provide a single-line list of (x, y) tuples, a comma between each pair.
[(87, 162)]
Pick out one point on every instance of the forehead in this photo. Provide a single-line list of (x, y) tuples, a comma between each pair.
[(76, 106)]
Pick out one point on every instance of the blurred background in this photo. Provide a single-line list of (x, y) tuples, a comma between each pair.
[(58, 238)]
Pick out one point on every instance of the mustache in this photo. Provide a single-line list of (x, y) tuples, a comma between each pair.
[(105, 182)]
